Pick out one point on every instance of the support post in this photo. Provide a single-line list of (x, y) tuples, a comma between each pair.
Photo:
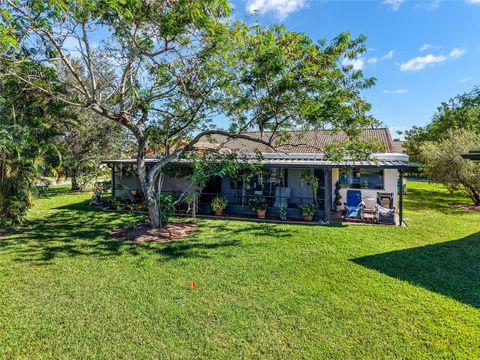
[(327, 193), (194, 210), (113, 180), (401, 198)]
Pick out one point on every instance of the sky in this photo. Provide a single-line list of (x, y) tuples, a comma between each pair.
[(420, 52)]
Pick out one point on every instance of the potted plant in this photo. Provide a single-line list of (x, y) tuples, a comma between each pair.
[(308, 211), (259, 205), (282, 209), (219, 204)]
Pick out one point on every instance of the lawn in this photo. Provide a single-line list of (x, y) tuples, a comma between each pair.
[(68, 290)]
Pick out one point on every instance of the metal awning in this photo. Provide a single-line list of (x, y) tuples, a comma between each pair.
[(472, 155), (300, 163)]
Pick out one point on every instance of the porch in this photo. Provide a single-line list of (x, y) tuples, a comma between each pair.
[(295, 185)]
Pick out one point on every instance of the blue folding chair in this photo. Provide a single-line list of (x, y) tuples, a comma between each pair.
[(354, 205)]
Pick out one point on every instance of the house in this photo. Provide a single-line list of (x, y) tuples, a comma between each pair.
[(285, 177)]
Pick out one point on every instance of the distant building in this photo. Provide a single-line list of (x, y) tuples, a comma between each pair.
[(398, 146)]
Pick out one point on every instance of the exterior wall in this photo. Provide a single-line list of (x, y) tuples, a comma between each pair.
[(390, 185)]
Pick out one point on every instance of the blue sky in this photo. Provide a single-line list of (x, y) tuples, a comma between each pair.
[(421, 52)]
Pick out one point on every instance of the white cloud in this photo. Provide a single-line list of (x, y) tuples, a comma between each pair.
[(473, 1), (396, 91), (357, 64), (281, 8), (429, 46), (394, 4), (420, 62), (428, 5), (389, 55), (456, 53), (372, 60), (466, 79)]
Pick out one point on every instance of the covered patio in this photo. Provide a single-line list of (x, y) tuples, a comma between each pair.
[(291, 179)]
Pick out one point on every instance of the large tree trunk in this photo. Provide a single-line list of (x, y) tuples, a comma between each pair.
[(75, 186), (147, 188), (473, 192)]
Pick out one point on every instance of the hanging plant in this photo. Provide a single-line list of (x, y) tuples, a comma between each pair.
[(337, 201), (311, 180)]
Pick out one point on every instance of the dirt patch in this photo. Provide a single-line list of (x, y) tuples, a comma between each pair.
[(466, 207), (142, 233)]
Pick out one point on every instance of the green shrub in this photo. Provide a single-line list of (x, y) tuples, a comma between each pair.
[(167, 206)]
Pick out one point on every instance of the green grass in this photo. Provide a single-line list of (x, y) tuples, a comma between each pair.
[(68, 290)]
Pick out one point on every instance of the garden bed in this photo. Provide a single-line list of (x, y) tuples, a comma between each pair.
[(142, 233)]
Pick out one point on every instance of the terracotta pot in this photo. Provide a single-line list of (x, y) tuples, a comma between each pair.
[(219, 212), (261, 214), (307, 217)]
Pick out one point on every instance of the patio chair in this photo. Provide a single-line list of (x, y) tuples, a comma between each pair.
[(369, 211), (385, 208), (353, 208)]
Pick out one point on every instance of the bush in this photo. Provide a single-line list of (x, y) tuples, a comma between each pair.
[(167, 207), (446, 165)]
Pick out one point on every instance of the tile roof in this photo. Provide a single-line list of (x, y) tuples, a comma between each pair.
[(298, 141), (398, 146)]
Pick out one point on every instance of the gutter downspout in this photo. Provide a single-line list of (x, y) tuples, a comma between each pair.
[(113, 180)]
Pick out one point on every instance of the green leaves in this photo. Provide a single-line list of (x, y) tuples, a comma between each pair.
[(460, 112), (27, 130), (445, 164), (282, 80)]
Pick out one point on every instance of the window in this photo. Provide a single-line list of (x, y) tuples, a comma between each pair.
[(361, 178), (269, 179)]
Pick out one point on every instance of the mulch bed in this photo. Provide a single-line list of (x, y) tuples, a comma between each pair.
[(142, 233), (466, 207)]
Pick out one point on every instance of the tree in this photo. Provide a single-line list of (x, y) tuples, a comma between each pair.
[(177, 62), (28, 122), (445, 164), (460, 112), (86, 141)]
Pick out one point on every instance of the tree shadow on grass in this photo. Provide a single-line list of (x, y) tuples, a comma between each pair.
[(450, 268), (79, 230), (55, 190)]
